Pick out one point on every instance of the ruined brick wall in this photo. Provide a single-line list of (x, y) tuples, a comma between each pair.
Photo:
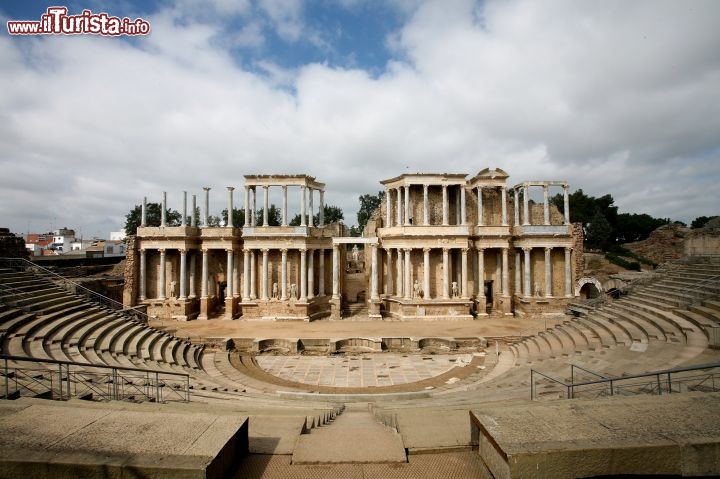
[(12, 246), (129, 296), (667, 243), (578, 251)]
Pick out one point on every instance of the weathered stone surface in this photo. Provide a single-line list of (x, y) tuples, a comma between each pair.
[(673, 434)]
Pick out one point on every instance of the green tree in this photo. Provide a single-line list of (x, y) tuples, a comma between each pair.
[(636, 227), (238, 217), (332, 214), (368, 205), (598, 232), (153, 213), (274, 216), (701, 221)]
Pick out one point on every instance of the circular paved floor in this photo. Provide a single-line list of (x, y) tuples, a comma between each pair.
[(365, 370)]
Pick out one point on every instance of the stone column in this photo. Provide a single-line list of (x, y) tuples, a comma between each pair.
[(283, 275), (230, 207), (503, 202), (303, 212), (311, 274), (464, 272), (229, 275), (236, 276), (193, 220), (265, 206), (284, 206), (546, 206), (143, 212), (548, 272), (498, 272), (303, 275), (204, 275), (526, 205), (481, 220), (480, 286), (408, 275), (388, 208), (446, 274), (389, 286), (321, 272), (407, 205), (566, 204), (191, 276), (183, 219), (463, 209), (517, 208), (426, 273), (568, 272), (399, 206), (399, 280), (253, 216), (518, 274), (247, 206), (246, 276), (311, 216), (505, 273), (253, 275), (445, 206), (426, 206), (206, 218), (142, 280), (321, 214), (161, 276), (264, 275), (163, 210), (374, 273), (183, 273), (527, 287), (336, 272)]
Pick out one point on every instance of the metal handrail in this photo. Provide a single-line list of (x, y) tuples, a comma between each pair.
[(21, 262), (613, 380), (115, 371)]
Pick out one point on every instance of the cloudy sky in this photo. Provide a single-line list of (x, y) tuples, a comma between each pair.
[(616, 97)]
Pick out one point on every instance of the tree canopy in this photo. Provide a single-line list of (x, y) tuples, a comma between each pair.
[(331, 214), (701, 221), (153, 213), (368, 205)]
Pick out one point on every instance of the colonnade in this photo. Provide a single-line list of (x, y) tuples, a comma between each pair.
[(402, 199), (523, 275), (526, 219), (256, 264), (306, 205)]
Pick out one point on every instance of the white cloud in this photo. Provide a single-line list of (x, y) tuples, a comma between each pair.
[(616, 98)]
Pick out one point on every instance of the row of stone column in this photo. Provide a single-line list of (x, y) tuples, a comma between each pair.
[(526, 272), (249, 293), (403, 206), (306, 217), (402, 285), (546, 205)]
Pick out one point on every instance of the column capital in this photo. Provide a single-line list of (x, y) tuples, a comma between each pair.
[(231, 188), (464, 250), (482, 250), (183, 251), (303, 250), (265, 250), (206, 188), (283, 250), (162, 250), (426, 249), (526, 249)]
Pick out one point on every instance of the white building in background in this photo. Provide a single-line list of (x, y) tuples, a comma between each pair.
[(63, 239), (117, 235)]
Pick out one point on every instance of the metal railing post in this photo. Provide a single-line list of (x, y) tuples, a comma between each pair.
[(532, 385), (68, 382), (7, 381), (658, 384), (669, 383), (60, 388), (157, 387)]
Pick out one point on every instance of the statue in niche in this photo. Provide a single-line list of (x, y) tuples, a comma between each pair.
[(455, 291), (355, 254), (538, 291), (293, 291), (172, 288), (275, 290), (417, 292)]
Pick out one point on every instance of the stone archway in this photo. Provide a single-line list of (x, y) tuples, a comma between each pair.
[(588, 287)]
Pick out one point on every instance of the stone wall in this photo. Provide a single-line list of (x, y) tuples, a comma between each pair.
[(704, 241), (667, 243), (129, 297), (12, 246)]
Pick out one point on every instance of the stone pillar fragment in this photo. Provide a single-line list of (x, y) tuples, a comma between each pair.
[(548, 272), (191, 276), (374, 273), (464, 272), (206, 218), (264, 275), (183, 273), (568, 273), (426, 273), (161, 276), (503, 203), (446, 274), (303, 275), (204, 275), (321, 272), (311, 274), (163, 210), (230, 207), (445, 206), (527, 287), (408, 275), (246, 276), (142, 280), (336, 272)]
